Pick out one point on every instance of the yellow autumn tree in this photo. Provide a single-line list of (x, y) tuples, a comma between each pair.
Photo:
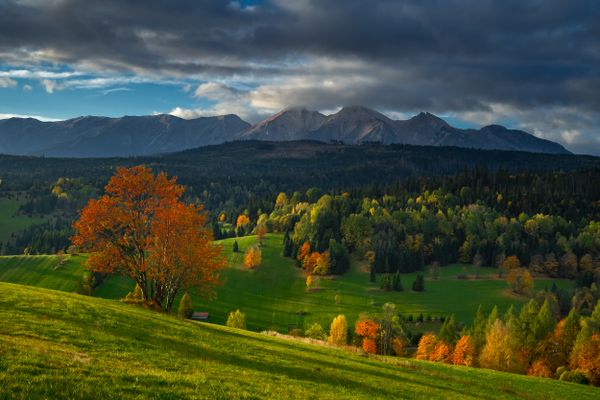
[(281, 200), (253, 257), (309, 281), (322, 264), (338, 331), (498, 352)]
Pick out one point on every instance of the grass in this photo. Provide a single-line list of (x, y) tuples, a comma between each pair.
[(56, 345), (274, 295), (43, 271), (10, 222)]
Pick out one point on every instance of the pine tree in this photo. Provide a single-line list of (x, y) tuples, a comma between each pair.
[(397, 285), (185, 310), (287, 244), (235, 246), (419, 283), (478, 331), (448, 331)]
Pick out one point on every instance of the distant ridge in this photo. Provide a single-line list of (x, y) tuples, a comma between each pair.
[(145, 135)]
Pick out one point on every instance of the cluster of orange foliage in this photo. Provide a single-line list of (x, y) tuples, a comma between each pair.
[(464, 352), (141, 229), (242, 220), (313, 262), (368, 329), (432, 349), (253, 257)]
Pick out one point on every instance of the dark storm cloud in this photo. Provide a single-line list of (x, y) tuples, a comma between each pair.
[(439, 55)]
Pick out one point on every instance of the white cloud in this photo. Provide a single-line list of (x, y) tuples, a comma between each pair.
[(27, 88), (7, 83), (38, 117), (118, 89), (50, 86), (38, 74)]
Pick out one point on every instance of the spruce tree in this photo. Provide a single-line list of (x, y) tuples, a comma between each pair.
[(448, 332)]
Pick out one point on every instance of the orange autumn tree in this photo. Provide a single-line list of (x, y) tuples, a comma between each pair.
[(141, 229), (464, 352), (427, 345), (442, 352), (304, 251), (242, 220), (253, 257), (368, 329)]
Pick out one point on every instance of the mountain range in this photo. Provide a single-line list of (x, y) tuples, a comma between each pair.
[(144, 135)]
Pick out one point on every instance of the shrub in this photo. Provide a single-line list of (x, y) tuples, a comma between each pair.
[(236, 319), (185, 310), (316, 331), (574, 376), (398, 346), (236, 247), (135, 296), (539, 368)]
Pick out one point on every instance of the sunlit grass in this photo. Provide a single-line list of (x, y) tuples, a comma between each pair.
[(61, 345)]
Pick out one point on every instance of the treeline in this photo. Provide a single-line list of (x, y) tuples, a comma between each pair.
[(405, 233), (46, 238), (535, 341), (244, 178)]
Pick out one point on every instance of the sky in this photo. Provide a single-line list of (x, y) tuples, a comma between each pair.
[(526, 64)]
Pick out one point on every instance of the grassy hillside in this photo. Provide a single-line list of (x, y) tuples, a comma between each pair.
[(43, 271), (274, 296), (61, 345)]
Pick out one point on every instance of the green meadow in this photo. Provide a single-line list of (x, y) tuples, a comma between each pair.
[(61, 345), (10, 221), (274, 296)]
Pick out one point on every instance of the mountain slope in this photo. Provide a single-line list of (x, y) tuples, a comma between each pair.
[(146, 135), (289, 124), (59, 345), (358, 124), (355, 125), (104, 137)]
